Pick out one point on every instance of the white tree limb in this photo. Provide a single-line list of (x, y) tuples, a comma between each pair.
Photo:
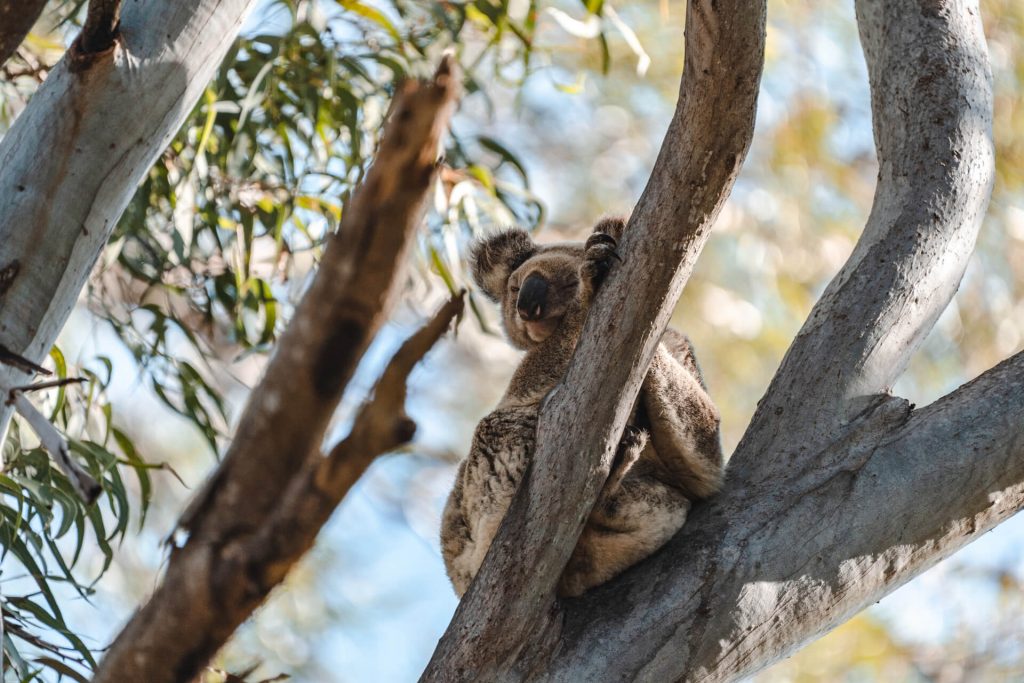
[(837, 493), (931, 102), (73, 158)]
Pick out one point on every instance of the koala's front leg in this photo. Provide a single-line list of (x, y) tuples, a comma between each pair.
[(599, 252), (683, 420)]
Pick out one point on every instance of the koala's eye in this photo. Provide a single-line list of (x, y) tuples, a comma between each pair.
[(515, 290)]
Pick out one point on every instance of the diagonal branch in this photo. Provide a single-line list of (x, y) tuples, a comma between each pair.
[(512, 598), (102, 124), (16, 19), (251, 566), (749, 580), (283, 423), (931, 98), (381, 426)]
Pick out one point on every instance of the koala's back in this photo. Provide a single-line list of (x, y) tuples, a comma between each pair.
[(487, 480)]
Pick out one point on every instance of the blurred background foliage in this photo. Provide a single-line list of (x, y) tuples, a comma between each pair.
[(566, 104)]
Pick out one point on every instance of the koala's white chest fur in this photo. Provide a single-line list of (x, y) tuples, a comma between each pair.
[(487, 481)]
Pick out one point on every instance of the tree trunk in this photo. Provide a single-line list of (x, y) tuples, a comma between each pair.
[(73, 158), (838, 493)]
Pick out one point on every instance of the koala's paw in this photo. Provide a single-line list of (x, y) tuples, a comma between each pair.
[(631, 445), (599, 251)]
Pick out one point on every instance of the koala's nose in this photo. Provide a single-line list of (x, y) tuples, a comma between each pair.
[(532, 297)]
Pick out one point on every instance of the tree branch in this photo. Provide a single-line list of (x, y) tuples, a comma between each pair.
[(512, 598), (932, 112), (753, 577), (205, 594), (16, 19), (101, 25), (381, 426), (102, 129)]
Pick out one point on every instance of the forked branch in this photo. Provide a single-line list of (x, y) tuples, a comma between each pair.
[(203, 597)]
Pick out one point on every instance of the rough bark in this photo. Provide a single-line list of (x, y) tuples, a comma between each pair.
[(16, 19), (73, 158), (512, 597), (262, 508), (837, 493)]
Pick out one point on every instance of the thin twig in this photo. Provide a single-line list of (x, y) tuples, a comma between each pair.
[(49, 384), (8, 357)]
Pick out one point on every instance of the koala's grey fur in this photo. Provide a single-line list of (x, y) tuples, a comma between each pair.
[(670, 454)]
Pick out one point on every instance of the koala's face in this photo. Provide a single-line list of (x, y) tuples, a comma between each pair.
[(539, 293), (534, 284)]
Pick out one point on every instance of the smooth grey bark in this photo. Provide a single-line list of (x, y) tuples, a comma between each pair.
[(758, 572), (73, 158), (931, 104), (838, 493)]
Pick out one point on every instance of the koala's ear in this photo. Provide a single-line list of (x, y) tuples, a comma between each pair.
[(493, 258), (612, 225)]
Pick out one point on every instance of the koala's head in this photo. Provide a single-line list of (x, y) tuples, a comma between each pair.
[(535, 284)]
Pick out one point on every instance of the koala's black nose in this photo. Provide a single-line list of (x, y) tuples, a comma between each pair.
[(533, 296)]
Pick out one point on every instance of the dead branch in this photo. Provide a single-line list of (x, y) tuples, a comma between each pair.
[(380, 426), (191, 614)]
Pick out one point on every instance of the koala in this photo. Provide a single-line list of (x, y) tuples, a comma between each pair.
[(670, 454)]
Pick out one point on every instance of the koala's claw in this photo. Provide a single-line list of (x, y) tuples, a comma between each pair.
[(600, 238), (599, 250)]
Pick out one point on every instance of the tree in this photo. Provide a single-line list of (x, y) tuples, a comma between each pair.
[(874, 490)]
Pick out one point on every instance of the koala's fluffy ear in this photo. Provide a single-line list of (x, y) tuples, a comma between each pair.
[(612, 225), (493, 258)]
